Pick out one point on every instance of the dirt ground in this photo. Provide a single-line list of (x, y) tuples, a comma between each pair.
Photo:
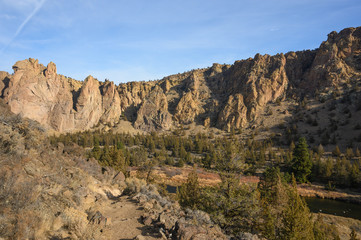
[(124, 220)]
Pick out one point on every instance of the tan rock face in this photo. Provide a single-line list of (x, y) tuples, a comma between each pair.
[(30, 93), (133, 93), (337, 59), (89, 104), (234, 114), (188, 108), (153, 113), (50, 70), (57, 102), (225, 96), (111, 104), (259, 81)]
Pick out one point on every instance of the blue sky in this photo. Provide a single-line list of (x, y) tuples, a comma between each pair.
[(149, 39)]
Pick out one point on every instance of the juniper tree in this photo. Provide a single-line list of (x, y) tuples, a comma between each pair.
[(96, 151), (336, 152), (284, 214), (105, 158), (297, 223), (189, 193), (301, 162)]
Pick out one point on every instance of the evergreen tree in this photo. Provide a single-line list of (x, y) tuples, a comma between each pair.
[(96, 151), (189, 193), (336, 152), (105, 158), (148, 167), (284, 214), (320, 150), (297, 223), (349, 153), (120, 145), (182, 152), (301, 163), (274, 200), (292, 146), (355, 175), (180, 163), (357, 153), (206, 161), (119, 162)]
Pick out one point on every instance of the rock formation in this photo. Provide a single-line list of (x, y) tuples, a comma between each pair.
[(153, 113), (111, 103), (57, 102), (223, 96)]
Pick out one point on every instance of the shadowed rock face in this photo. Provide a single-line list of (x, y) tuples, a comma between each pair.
[(224, 96), (4, 81)]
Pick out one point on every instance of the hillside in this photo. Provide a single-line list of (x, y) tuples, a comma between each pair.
[(58, 193), (309, 90)]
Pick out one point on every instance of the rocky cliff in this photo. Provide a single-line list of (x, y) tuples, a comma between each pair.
[(222, 96)]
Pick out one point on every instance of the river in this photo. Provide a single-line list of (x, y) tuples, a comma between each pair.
[(334, 207)]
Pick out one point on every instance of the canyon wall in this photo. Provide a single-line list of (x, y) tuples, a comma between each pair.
[(222, 96)]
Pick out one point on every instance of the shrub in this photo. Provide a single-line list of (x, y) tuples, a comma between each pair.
[(134, 185)]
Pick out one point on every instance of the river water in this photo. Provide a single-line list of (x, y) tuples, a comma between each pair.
[(171, 189), (334, 207)]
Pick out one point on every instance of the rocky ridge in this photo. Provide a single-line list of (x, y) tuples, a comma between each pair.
[(223, 96)]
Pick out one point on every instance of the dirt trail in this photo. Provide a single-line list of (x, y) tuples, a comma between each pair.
[(125, 216)]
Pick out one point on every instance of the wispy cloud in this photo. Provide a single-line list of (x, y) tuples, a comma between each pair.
[(23, 24), (20, 5), (7, 17)]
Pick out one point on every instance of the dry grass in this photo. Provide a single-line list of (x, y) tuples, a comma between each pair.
[(343, 225), (44, 192)]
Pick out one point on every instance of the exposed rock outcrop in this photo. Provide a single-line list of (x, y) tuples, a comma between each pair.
[(338, 59), (111, 103), (259, 81), (50, 70), (188, 108), (174, 222), (225, 96), (89, 104), (153, 113), (234, 114), (58, 102)]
